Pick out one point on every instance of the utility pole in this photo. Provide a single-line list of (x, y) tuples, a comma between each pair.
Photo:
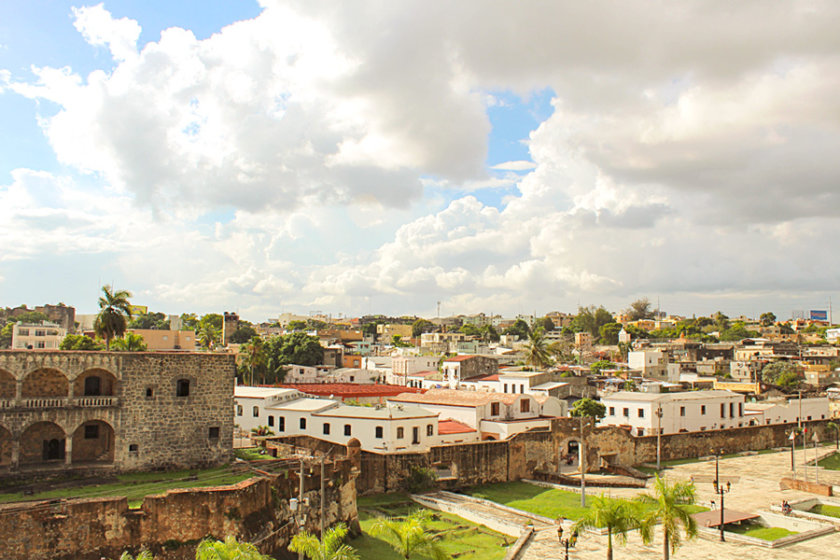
[(300, 503), (658, 435), (323, 491), (582, 463)]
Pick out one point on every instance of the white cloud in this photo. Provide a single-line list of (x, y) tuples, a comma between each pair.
[(687, 153)]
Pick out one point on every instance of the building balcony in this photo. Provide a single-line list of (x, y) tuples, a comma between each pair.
[(38, 403)]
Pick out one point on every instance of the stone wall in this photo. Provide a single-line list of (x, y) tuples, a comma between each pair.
[(164, 410), (171, 525)]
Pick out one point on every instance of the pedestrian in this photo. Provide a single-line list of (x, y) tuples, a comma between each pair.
[(713, 505), (573, 540), (560, 533)]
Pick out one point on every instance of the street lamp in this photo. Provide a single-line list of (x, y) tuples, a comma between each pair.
[(658, 435), (568, 541), (719, 489), (816, 441), (792, 439)]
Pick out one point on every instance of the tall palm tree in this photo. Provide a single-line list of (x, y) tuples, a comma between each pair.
[(617, 516), (408, 535), (210, 549), (330, 547), (256, 357), (666, 508), (130, 342), (537, 353), (114, 313)]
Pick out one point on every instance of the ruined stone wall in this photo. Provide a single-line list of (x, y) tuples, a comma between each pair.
[(172, 525)]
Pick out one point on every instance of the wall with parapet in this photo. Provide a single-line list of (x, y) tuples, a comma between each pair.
[(171, 525)]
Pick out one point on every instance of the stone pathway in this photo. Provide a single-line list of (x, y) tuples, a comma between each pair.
[(757, 489)]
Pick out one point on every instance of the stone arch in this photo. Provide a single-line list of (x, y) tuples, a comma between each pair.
[(93, 441), (45, 382), (95, 382), (7, 385), (42, 442), (5, 447)]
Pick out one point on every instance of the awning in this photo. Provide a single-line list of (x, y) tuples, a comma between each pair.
[(712, 518)]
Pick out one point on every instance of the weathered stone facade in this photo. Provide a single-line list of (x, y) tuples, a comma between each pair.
[(120, 410), (171, 525)]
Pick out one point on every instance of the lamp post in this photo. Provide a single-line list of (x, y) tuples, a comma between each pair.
[(719, 489), (816, 441), (582, 463), (658, 435), (792, 439), (567, 542)]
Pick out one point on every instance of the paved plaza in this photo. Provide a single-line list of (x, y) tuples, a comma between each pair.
[(757, 489)]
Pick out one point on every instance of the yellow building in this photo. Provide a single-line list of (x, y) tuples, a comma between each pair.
[(157, 340)]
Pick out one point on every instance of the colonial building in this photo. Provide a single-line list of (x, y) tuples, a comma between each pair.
[(43, 335), (114, 410)]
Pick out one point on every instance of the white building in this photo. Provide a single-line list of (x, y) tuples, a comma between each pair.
[(402, 366), (787, 412), (307, 374), (354, 375), (692, 411), (494, 415), (271, 406), (652, 363), (43, 335)]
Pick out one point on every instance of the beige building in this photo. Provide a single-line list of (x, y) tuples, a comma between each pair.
[(37, 336), (160, 340)]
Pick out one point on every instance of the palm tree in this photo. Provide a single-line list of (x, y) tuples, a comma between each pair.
[(256, 357), (408, 535), (208, 335), (666, 509), (113, 316), (617, 516), (537, 353), (210, 549), (144, 555), (836, 427), (130, 342), (330, 547)]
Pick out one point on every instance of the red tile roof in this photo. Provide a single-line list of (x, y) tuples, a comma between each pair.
[(447, 427), (458, 358), (350, 390)]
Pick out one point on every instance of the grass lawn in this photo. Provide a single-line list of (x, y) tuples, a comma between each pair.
[(759, 532), (136, 486), (459, 537), (831, 462), (823, 509), (550, 502), (252, 454)]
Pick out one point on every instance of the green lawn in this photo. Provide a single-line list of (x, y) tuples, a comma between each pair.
[(252, 454), (831, 462), (460, 538), (549, 502), (136, 486), (823, 509), (759, 532)]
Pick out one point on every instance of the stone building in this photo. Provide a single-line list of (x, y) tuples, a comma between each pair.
[(114, 410)]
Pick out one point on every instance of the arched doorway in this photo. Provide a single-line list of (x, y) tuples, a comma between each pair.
[(5, 447), (95, 383), (93, 441), (7, 385), (42, 442), (45, 383)]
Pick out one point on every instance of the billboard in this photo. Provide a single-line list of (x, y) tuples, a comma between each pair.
[(819, 315)]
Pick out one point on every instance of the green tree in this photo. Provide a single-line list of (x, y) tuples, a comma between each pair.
[(213, 319), (587, 407), (600, 365), (489, 334), (409, 535), (295, 326), (130, 342), (79, 342), (545, 323), (781, 374), (114, 314), (330, 547), (536, 349), (721, 321), (470, 330), (609, 333), (208, 335), (737, 331), (144, 555), (189, 321), (397, 342), (211, 549), (666, 508), (591, 319), (767, 319), (157, 321), (255, 356), (616, 516), (836, 428), (6, 335), (639, 309), (295, 348), (519, 328), (421, 326), (243, 334)]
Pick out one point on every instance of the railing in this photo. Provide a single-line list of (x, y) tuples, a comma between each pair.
[(60, 402)]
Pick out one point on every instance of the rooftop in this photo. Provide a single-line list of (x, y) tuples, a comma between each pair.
[(248, 392), (681, 396), (389, 411), (304, 405), (449, 427), (455, 397), (350, 390)]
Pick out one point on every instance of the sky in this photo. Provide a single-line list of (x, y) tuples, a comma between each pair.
[(366, 157)]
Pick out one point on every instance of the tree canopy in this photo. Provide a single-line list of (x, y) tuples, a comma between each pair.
[(782, 374), (330, 547), (295, 348), (665, 509), (421, 326), (130, 342), (519, 328), (609, 333), (409, 535), (157, 321), (639, 309), (767, 319), (587, 407), (114, 314), (243, 334), (591, 319), (79, 342)]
